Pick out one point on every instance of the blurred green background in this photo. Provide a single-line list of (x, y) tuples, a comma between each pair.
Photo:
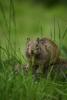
[(32, 18), (20, 19)]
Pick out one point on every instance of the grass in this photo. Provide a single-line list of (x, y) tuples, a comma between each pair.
[(16, 26), (23, 87)]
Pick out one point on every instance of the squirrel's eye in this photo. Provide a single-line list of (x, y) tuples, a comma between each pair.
[(45, 46), (37, 46)]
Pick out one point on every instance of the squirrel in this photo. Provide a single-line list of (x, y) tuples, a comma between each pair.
[(41, 53)]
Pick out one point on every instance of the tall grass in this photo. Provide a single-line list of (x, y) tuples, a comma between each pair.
[(18, 86), (54, 29)]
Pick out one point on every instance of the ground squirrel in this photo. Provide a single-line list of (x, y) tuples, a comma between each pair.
[(41, 53)]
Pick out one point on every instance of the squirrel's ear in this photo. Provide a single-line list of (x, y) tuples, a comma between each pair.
[(28, 39), (38, 40)]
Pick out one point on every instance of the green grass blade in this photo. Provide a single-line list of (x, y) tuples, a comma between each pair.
[(4, 16), (51, 34), (54, 29), (59, 35), (14, 21), (41, 31), (65, 33)]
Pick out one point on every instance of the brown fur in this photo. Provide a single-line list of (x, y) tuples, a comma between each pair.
[(41, 53)]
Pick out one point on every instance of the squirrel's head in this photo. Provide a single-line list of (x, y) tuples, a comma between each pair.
[(32, 48)]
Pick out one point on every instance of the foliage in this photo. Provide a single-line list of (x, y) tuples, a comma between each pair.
[(18, 86)]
